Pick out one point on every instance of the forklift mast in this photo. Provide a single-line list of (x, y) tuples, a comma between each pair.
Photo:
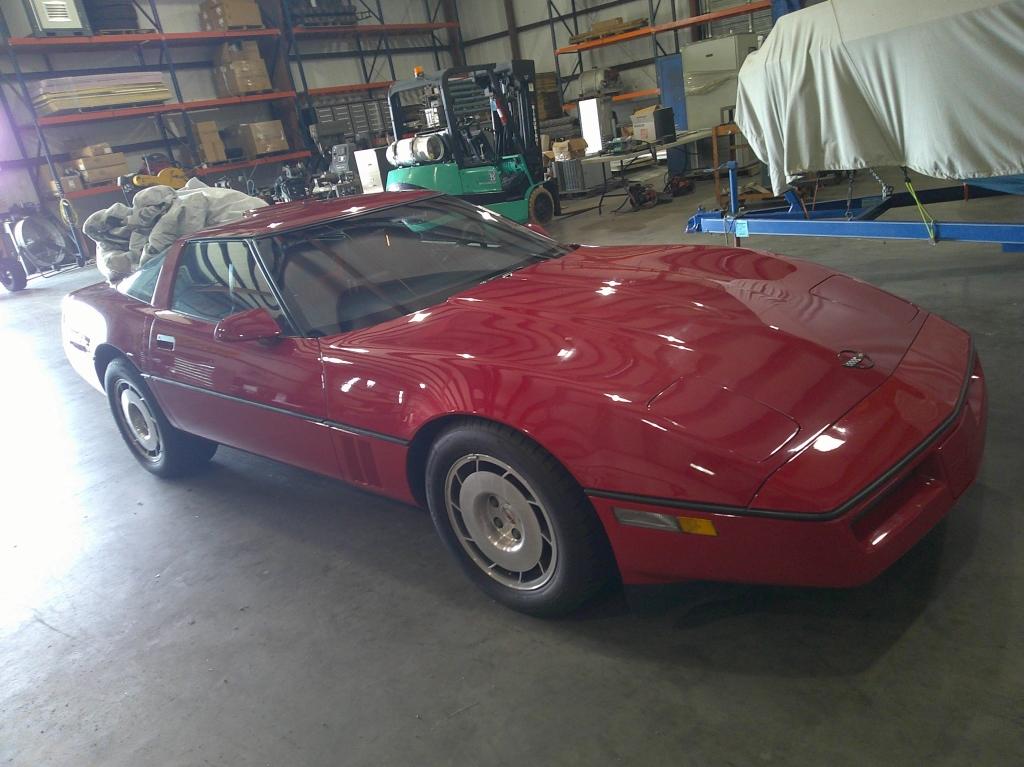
[(453, 102)]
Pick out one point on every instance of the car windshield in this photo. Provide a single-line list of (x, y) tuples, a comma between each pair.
[(382, 264)]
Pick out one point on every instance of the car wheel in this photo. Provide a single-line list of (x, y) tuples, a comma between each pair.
[(517, 522), (12, 274), (541, 206), (156, 445)]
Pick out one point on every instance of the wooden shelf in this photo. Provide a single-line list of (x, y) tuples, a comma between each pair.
[(669, 26), (373, 29), (333, 90), (211, 170), (99, 42), (155, 109)]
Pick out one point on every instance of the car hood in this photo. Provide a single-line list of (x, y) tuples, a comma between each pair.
[(633, 322)]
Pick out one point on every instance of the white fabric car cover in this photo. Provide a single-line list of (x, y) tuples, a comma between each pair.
[(127, 237), (110, 231), (933, 85)]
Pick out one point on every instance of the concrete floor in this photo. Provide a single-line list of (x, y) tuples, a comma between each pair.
[(259, 615)]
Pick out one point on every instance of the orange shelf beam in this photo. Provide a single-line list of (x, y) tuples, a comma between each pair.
[(155, 109), (72, 43), (649, 93), (332, 90), (218, 36), (90, 191), (373, 29), (212, 170), (669, 26)]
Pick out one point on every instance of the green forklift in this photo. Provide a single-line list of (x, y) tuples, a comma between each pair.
[(472, 132)]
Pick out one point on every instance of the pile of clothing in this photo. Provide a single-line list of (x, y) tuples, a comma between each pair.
[(126, 237)]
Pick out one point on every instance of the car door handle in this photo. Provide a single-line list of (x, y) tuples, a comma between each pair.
[(165, 342)]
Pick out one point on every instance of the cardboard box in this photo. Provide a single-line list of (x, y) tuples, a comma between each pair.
[(240, 78), (104, 167), (653, 124), (572, 149), (211, 147), (97, 162), (229, 14), (105, 173), (239, 50), (262, 138), (70, 184), (206, 127), (92, 150)]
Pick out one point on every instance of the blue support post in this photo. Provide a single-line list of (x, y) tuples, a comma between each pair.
[(782, 7), (734, 187)]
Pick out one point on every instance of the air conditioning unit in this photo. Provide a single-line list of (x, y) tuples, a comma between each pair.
[(56, 17)]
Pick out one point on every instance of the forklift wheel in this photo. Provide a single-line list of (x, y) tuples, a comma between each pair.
[(12, 274), (541, 206)]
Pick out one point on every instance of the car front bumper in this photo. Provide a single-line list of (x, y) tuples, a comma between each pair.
[(843, 549)]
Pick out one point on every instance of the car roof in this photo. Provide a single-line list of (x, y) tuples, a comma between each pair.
[(295, 215)]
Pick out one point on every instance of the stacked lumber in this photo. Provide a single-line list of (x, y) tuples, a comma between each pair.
[(57, 95), (608, 28)]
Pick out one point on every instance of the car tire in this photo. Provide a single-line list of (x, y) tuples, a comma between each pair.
[(517, 522), (159, 448), (541, 206), (12, 274)]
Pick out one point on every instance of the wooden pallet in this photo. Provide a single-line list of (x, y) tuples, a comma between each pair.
[(586, 37)]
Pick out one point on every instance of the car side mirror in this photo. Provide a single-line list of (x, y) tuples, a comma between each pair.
[(538, 229), (250, 325)]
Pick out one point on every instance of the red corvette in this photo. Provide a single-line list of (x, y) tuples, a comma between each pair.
[(569, 414)]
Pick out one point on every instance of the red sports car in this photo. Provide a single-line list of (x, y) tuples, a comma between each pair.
[(569, 414)]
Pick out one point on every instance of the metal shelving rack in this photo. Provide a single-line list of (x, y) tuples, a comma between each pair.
[(18, 79), (375, 46), (570, 20)]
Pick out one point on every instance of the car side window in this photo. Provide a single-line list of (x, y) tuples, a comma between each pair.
[(218, 278), (142, 283)]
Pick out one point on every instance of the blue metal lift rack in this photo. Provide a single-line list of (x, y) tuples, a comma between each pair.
[(857, 217)]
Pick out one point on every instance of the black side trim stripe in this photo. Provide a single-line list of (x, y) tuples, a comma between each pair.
[(860, 497), (347, 428)]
